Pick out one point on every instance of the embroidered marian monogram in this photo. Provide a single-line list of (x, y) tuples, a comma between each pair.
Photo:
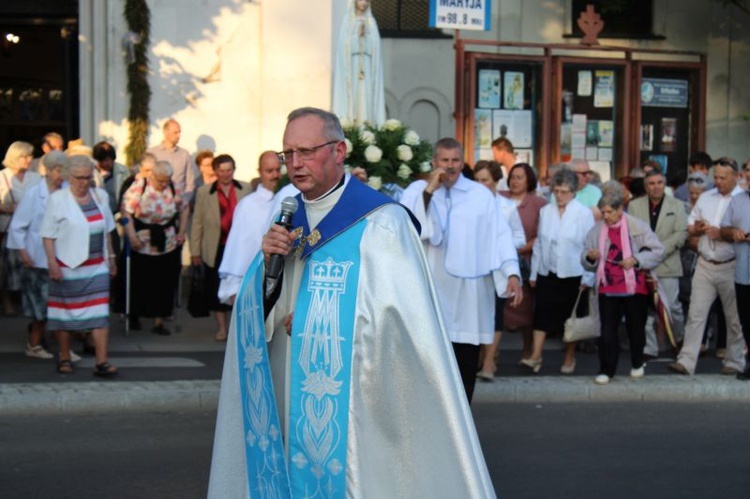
[(322, 344), (321, 360)]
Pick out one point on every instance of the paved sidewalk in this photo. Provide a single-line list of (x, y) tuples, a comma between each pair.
[(182, 372)]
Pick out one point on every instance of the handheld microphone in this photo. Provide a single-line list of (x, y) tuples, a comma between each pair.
[(288, 208)]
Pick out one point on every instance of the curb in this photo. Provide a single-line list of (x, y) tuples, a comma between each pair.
[(76, 397), (48, 398), (669, 388)]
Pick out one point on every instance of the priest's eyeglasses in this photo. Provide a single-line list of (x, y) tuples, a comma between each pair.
[(303, 153)]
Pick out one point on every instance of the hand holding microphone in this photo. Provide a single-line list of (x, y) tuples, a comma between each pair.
[(278, 241)]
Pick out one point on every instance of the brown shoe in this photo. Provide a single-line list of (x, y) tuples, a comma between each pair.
[(726, 370), (678, 368)]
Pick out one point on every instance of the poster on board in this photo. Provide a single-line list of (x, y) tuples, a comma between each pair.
[(489, 89), (513, 90)]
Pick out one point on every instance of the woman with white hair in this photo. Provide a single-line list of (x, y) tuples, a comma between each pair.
[(23, 236), (76, 232), (157, 232), (620, 249), (14, 180)]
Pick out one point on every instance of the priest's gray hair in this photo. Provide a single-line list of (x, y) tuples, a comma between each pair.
[(331, 124)]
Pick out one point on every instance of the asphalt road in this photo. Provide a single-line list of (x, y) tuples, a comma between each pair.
[(618, 451)]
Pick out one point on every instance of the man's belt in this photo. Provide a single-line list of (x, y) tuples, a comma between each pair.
[(717, 262)]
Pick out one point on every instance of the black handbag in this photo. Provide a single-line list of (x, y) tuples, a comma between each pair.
[(198, 300)]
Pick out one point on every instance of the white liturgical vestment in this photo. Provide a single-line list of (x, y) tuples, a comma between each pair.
[(470, 250)]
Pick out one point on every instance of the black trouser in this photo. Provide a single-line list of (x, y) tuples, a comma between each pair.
[(467, 358), (611, 311), (742, 292)]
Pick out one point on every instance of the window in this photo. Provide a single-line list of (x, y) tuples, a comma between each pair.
[(622, 18), (404, 19)]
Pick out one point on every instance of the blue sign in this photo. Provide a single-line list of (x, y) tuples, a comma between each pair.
[(659, 92), (461, 14)]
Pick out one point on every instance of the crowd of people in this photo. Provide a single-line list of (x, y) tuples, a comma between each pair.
[(540, 248)]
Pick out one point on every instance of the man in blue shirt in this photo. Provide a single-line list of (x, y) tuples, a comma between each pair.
[(735, 228)]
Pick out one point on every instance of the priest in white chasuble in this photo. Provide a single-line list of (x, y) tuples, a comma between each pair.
[(339, 379)]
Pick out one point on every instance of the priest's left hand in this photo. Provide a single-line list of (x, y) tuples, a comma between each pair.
[(514, 291)]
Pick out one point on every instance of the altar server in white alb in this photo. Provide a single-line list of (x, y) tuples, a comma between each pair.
[(253, 216), (470, 250), (356, 393)]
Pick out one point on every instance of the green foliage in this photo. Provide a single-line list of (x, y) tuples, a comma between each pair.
[(138, 18)]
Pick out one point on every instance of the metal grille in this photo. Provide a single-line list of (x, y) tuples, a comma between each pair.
[(403, 17)]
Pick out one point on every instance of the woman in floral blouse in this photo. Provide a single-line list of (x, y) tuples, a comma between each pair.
[(156, 234)]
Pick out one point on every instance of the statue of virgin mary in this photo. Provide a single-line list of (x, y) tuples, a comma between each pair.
[(358, 94)]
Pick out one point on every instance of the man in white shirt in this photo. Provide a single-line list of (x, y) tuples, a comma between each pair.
[(504, 154), (714, 274), (470, 250), (183, 167), (252, 216)]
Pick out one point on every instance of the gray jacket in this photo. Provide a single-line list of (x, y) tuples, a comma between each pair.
[(645, 245)]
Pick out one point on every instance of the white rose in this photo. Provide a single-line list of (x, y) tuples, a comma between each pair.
[(404, 171), (348, 147), (391, 125), (425, 167), (347, 168), (282, 170), (411, 138), (346, 124), (375, 182), (373, 154), (367, 136), (404, 152)]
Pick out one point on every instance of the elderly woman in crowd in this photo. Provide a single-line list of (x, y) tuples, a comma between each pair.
[(620, 248), (556, 270), (212, 219), (489, 173), (76, 232), (522, 184), (156, 234), (205, 161), (14, 180), (143, 171), (23, 236)]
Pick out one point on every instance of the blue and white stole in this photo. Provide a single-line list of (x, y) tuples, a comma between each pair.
[(321, 358)]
